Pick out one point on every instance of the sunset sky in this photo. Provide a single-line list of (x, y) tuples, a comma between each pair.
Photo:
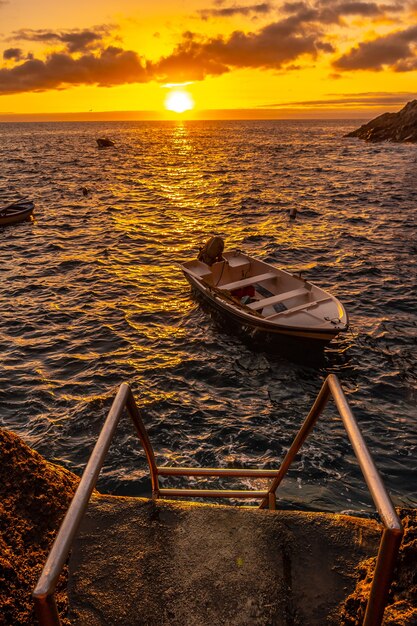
[(320, 58)]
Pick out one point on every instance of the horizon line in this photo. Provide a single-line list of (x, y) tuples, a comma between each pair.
[(198, 115)]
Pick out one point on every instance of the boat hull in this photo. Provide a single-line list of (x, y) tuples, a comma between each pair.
[(256, 326), (14, 214)]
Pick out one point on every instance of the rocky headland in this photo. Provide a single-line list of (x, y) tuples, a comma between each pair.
[(398, 127), (35, 494)]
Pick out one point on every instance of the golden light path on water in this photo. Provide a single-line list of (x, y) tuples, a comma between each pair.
[(93, 296)]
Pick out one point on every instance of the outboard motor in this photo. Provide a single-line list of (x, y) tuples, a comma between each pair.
[(212, 251)]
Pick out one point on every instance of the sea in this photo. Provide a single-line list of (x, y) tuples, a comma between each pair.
[(91, 295)]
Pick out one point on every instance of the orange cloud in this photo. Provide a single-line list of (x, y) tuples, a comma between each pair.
[(262, 8), (74, 40), (112, 66), (396, 50), (13, 53), (270, 48)]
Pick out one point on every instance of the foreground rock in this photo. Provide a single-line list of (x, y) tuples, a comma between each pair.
[(34, 496), (402, 602), (399, 127)]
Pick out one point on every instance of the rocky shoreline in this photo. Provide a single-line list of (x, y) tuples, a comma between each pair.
[(35, 495), (397, 127)]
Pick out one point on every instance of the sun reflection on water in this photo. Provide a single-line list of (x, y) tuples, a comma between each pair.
[(93, 295)]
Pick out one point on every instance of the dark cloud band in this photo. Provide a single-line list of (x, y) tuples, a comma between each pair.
[(75, 40), (13, 53), (255, 9), (397, 50), (113, 66), (367, 99)]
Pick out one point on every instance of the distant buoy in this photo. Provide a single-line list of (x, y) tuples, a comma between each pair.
[(293, 213)]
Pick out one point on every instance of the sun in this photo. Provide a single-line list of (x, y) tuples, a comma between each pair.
[(179, 101)]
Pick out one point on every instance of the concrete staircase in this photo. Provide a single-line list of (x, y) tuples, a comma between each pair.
[(158, 563)]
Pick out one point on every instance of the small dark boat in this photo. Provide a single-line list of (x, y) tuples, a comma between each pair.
[(16, 212), (262, 298), (104, 142)]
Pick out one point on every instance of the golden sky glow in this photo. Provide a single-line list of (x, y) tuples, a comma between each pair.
[(321, 58)]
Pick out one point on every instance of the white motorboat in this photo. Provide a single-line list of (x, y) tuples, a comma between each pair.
[(265, 299)]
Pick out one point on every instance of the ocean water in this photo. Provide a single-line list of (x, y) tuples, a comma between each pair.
[(91, 295)]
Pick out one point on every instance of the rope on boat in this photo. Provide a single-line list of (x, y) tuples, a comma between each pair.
[(221, 273)]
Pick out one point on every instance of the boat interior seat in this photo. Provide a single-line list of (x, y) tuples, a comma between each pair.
[(300, 307), (199, 269), (238, 261), (245, 282), (281, 297)]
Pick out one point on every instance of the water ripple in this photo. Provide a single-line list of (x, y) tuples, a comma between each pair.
[(92, 296)]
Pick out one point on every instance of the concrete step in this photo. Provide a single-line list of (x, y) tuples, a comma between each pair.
[(160, 563)]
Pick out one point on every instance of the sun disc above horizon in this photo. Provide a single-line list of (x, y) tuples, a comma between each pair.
[(179, 101)]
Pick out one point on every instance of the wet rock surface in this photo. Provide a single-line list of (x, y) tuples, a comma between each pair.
[(397, 127)]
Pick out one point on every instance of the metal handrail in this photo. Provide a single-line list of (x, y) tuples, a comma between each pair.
[(44, 593), (393, 531)]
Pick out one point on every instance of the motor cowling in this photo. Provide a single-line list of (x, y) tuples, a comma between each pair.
[(212, 251)]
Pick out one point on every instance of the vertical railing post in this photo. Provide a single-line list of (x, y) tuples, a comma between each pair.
[(383, 574), (46, 610), (302, 435), (146, 443)]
